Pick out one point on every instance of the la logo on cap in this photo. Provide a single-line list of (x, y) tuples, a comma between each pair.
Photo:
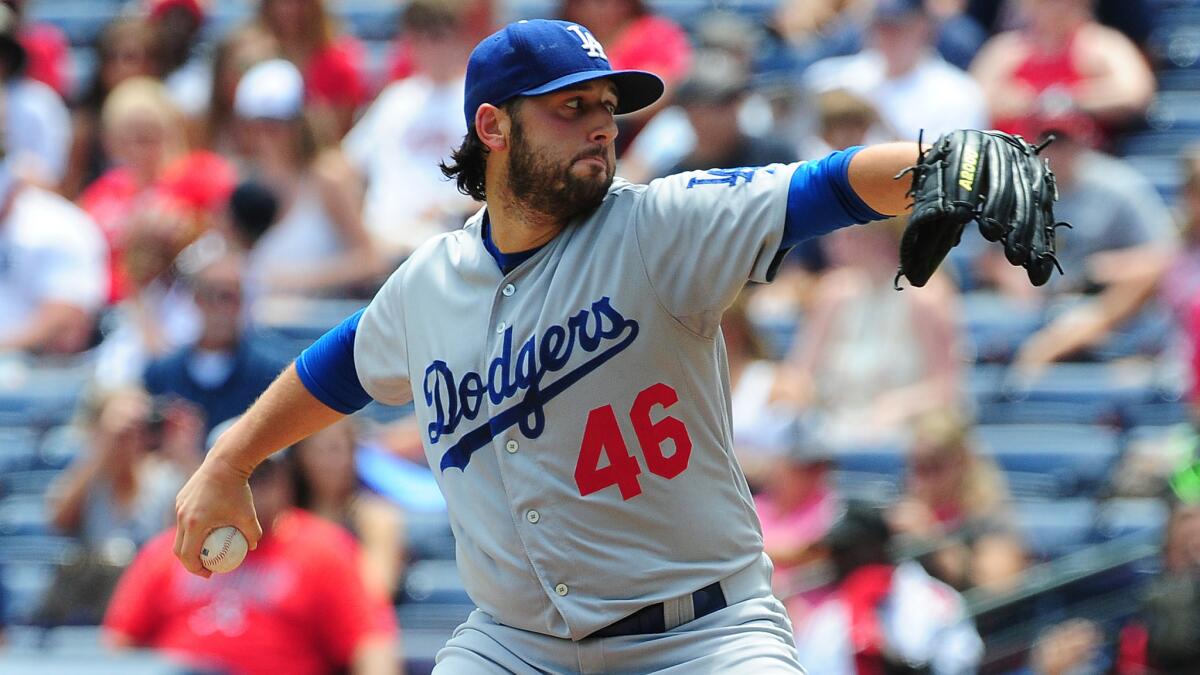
[(590, 44)]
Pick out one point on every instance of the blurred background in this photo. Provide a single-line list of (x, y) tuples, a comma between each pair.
[(976, 476)]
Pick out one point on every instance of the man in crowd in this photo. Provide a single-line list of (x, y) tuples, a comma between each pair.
[(297, 605)]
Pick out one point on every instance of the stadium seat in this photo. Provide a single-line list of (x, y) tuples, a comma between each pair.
[(24, 514), (1047, 412), (1050, 532), (874, 488), (18, 449), (886, 461), (1155, 413), (1085, 383), (81, 20), (27, 568), (59, 446), (425, 628), (28, 483), (1141, 519), (996, 326), (779, 333), (1077, 457)]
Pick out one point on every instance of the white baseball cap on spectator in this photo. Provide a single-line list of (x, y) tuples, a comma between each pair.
[(271, 90)]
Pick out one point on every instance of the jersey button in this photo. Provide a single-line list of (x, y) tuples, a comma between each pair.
[(562, 589), (509, 289), (500, 328), (533, 516), (511, 446)]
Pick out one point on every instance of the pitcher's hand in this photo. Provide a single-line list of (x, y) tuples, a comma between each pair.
[(216, 495)]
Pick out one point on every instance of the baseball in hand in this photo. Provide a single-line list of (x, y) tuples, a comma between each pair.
[(224, 549)]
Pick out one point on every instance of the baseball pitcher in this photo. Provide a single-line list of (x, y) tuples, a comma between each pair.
[(564, 355)]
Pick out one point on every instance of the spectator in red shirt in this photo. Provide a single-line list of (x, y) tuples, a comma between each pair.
[(1063, 64), (153, 171), (47, 48), (331, 61), (125, 48), (297, 605), (635, 38)]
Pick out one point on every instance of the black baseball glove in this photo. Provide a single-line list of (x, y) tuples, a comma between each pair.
[(990, 177)]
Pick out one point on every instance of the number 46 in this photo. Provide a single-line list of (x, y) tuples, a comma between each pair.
[(602, 435)]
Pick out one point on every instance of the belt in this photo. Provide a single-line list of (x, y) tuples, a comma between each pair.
[(653, 618)]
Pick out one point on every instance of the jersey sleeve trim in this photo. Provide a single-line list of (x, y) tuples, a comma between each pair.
[(327, 369), (821, 200)]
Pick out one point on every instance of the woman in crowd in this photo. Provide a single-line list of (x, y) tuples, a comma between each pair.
[(125, 49), (152, 170), (327, 484), (955, 504), (318, 244), (331, 61), (123, 483), (235, 54), (871, 358)]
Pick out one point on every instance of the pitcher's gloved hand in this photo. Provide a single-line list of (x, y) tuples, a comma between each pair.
[(992, 178)]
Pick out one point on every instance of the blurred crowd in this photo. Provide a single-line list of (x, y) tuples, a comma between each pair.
[(171, 203)]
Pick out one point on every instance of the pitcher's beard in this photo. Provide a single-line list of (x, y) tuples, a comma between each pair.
[(553, 189)]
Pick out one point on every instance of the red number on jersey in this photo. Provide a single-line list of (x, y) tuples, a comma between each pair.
[(602, 435), (651, 435)]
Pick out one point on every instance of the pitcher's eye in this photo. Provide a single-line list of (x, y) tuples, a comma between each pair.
[(573, 103)]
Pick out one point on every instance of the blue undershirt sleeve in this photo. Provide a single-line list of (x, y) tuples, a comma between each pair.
[(327, 370), (820, 199)]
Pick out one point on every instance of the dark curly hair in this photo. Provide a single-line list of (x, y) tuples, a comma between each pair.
[(468, 162)]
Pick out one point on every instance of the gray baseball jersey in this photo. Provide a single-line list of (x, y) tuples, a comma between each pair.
[(576, 410)]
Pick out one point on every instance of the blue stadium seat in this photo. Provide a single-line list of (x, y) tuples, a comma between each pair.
[(18, 449), (370, 20), (24, 515), (1077, 457), (81, 20), (1163, 171), (1156, 413), (886, 461), (27, 568), (874, 488), (1047, 412), (780, 334), (1179, 80), (425, 630), (27, 483), (60, 445), (1086, 383), (1052, 531), (1141, 519), (996, 326)]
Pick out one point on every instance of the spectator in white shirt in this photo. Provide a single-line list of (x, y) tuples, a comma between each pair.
[(37, 121), (913, 88), (52, 270), (411, 128), (884, 617)]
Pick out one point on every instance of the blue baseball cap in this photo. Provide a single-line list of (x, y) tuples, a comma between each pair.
[(529, 58)]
